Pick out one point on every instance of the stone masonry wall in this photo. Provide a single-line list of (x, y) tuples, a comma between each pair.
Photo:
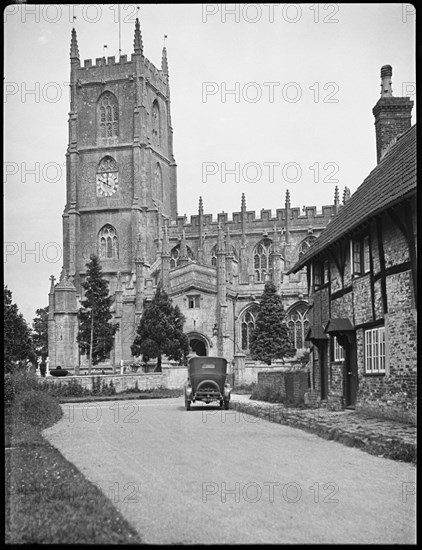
[(292, 385), (169, 378)]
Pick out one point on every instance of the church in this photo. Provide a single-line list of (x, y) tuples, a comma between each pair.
[(121, 205)]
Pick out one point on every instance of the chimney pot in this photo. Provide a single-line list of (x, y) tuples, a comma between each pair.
[(386, 70)]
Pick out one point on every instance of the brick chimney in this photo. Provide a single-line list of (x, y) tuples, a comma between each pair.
[(392, 114)]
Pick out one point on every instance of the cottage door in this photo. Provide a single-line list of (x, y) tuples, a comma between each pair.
[(350, 371), (323, 369)]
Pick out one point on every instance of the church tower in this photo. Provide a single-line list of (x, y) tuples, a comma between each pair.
[(120, 174)]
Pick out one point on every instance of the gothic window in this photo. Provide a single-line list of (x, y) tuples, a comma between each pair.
[(156, 137), (108, 243), (158, 183), (247, 328), (263, 260), (108, 110), (214, 255), (107, 164), (175, 256), (298, 323), (194, 301), (305, 244)]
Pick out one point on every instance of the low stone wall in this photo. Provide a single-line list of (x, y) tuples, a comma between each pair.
[(392, 397), (246, 372), (292, 385), (170, 378)]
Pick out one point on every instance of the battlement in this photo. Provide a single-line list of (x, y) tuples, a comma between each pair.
[(309, 216), (110, 68), (102, 62)]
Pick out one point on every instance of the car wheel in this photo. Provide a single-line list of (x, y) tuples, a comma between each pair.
[(221, 403), (226, 405), (187, 405)]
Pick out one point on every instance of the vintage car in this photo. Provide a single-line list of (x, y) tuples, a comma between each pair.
[(207, 381)]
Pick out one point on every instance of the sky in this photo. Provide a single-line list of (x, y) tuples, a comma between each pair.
[(264, 98)]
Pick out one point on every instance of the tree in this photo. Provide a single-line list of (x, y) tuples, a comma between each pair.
[(96, 332), (271, 338), (18, 345), (160, 331), (40, 332)]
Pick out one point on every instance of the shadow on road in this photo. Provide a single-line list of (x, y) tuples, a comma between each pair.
[(194, 408)]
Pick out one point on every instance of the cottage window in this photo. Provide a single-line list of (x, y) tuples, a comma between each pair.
[(356, 259), (318, 275), (360, 256), (365, 255), (338, 351), (375, 350)]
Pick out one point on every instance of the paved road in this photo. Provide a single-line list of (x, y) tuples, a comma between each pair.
[(211, 476)]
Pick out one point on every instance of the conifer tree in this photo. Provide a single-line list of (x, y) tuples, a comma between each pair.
[(40, 332), (271, 338), (160, 331), (96, 331)]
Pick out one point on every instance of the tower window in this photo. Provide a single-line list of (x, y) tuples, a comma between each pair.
[(156, 124), (108, 109), (158, 183), (108, 243)]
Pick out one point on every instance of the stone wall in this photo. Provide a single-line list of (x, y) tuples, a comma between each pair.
[(246, 372), (170, 378), (392, 397), (292, 385)]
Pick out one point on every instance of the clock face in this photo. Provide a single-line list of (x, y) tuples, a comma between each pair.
[(107, 184)]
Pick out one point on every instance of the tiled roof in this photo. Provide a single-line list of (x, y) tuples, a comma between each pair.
[(393, 179)]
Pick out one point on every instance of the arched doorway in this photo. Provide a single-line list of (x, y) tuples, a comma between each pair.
[(198, 346)]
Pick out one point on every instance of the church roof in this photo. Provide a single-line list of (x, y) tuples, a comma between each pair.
[(391, 181)]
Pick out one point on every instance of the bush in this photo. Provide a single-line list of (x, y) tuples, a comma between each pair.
[(70, 389), (108, 389), (244, 388), (265, 392), (36, 407), (17, 382), (9, 390)]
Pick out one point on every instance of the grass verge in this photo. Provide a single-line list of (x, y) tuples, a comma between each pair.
[(144, 394), (48, 501)]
